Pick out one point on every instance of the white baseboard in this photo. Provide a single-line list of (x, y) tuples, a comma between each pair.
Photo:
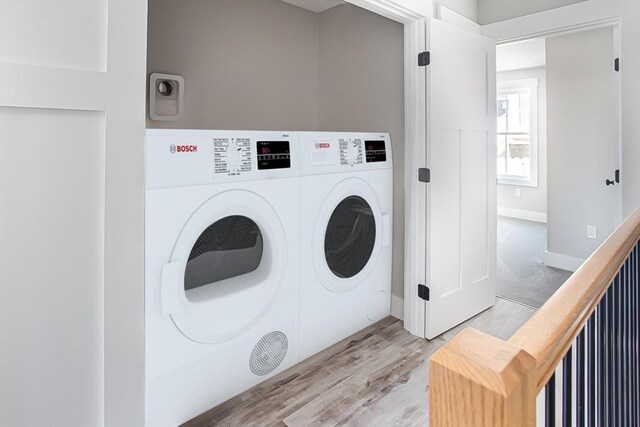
[(522, 214), (564, 262), (397, 307)]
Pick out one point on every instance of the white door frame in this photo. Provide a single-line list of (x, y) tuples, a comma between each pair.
[(572, 17), (415, 150)]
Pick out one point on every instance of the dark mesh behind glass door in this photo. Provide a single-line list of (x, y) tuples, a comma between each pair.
[(228, 248), (350, 236)]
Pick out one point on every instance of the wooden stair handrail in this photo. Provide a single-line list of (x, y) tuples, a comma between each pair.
[(479, 380), (550, 332)]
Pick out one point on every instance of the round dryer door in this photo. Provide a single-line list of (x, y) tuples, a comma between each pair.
[(226, 268), (230, 247), (348, 235)]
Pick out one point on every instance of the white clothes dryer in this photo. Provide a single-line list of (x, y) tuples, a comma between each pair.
[(346, 232), (222, 266)]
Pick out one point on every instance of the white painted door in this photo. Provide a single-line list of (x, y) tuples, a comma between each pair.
[(461, 155), (72, 94)]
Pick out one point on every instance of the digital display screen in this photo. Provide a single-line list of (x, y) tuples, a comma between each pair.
[(273, 154), (375, 151)]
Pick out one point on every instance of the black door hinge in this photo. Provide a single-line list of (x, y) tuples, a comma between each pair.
[(424, 59), (424, 175), (616, 64), (423, 292)]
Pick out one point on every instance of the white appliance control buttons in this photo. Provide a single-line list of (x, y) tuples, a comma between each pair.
[(351, 152), (232, 155)]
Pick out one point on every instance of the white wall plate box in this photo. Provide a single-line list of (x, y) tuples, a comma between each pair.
[(166, 96)]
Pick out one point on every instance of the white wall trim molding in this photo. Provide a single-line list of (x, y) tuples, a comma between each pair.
[(522, 214), (564, 262), (403, 11), (575, 16), (415, 117), (397, 307)]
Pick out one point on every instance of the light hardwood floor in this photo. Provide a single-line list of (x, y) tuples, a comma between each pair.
[(377, 377)]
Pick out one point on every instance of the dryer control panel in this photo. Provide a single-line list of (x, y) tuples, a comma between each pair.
[(332, 152), (176, 158)]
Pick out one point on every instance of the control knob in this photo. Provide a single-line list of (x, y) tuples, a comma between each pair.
[(352, 152), (234, 156)]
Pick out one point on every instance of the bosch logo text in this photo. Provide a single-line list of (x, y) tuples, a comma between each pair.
[(183, 148), (321, 145)]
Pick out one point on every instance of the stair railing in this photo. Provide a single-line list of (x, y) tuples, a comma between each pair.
[(574, 362)]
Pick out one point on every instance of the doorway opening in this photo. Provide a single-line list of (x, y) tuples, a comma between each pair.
[(557, 155)]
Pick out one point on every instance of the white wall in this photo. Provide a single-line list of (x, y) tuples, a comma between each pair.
[(361, 88), (520, 55), (341, 69), (532, 199), (500, 10), (630, 75), (582, 131), (466, 8)]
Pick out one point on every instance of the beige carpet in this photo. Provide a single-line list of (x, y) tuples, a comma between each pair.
[(522, 275)]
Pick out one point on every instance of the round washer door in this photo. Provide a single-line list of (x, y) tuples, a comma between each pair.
[(348, 235), (227, 267)]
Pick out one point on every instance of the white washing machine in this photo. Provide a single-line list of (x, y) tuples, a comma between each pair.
[(346, 232), (222, 266)]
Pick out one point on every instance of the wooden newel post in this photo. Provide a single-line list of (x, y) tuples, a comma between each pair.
[(477, 380)]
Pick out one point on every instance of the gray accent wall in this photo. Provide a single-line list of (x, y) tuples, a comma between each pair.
[(269, 65), (247, 64), (361, 88)]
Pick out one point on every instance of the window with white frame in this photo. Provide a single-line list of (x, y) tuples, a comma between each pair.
[(517, 132)]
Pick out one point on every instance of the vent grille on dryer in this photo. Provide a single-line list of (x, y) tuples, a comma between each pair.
[(268, 353)]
